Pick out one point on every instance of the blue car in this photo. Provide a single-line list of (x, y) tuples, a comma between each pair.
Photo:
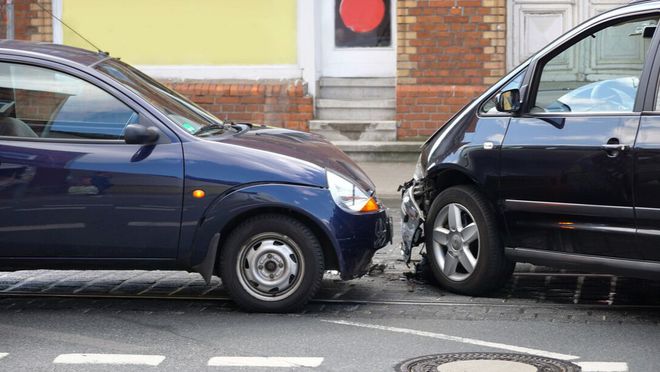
[(102, 167)]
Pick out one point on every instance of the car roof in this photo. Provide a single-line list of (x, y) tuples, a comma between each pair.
[(51, 51)]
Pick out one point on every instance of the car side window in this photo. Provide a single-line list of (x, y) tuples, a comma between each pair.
[(36, 102), (599, 73), (488, 108)]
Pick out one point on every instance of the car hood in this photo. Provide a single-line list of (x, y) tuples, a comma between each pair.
[(303, 146)]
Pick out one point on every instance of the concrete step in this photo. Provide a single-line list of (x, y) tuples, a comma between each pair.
[(380, 151), (354, 130), (357, 88), (348, 104), (357, 82), (340, 109), (357, 92)]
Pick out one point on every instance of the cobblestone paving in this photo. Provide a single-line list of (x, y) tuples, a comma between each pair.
[(534, 293), (543, 298)]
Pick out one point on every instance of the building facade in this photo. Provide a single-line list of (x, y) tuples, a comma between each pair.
[(372, 75)]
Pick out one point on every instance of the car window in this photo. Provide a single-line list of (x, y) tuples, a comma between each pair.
[(179, 109), (599, 73), (39, 102), (488, 108)]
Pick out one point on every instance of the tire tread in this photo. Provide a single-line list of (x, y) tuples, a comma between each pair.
[(498, 268), (243, 231)]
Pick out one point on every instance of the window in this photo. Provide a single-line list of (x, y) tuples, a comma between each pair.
[(488, 108), (184, 113), (599, 73), (38, 102), (363, 23)]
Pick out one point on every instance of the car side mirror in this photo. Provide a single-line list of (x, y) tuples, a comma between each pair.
[(136, 134), (508, 101)]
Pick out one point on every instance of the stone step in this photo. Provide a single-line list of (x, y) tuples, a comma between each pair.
[(354, 130), (349, 103), (339, 109), (380, 151), (357, 82), (357, 92)]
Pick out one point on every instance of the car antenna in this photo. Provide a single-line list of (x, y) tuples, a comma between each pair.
[(71, 28)]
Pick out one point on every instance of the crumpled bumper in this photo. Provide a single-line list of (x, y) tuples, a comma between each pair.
[(364, 235), (412, 224)]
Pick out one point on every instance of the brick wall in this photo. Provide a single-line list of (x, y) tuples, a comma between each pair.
[(278, 103), (31, 22), (448, 52)]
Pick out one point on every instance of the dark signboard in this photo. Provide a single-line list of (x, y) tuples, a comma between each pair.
[(363, 23)]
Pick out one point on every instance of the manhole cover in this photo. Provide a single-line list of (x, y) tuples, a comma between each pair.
[(480, 362)]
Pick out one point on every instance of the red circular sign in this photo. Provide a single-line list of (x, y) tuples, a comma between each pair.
[(362, 15)]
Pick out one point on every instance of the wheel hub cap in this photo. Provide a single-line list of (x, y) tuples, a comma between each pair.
[(269, 267), (456, 243)]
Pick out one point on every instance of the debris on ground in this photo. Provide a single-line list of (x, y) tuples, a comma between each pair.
[(377, 269)]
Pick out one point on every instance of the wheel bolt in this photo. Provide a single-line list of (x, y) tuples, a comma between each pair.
[(281, 265), (261, 267), (272, 276), (269, 255)]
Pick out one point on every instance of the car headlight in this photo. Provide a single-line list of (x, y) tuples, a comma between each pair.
[(349, 196), (420, 171)]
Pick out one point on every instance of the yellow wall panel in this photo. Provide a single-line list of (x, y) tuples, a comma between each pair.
[(186, 32)]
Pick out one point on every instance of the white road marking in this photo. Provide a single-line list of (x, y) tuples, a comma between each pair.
[(132, 359), (2, 355), (464, 340), (264, 362), (603, 366)]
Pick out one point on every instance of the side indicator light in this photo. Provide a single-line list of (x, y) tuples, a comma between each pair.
[(198, 194), (371, 206)]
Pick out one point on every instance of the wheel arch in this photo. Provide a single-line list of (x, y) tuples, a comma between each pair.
[(445, 176), (308, 204), (330, 258)]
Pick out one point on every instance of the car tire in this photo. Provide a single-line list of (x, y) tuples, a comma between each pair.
[(271, 263), (463, 245)]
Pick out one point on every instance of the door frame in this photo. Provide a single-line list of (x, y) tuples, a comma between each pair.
[(310, 52)]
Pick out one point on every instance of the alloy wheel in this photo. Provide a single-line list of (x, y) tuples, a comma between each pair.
[(456, 242)]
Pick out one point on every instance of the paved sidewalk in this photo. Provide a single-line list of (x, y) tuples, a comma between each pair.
[(388, 177)]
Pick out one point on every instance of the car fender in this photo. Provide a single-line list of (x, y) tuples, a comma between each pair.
[(313, 203), (472, 148)]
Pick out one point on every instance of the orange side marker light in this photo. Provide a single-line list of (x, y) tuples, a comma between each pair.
[(371, 206), (198, 194)]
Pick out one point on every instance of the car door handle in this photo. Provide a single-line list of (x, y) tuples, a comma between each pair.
[(614, 147)]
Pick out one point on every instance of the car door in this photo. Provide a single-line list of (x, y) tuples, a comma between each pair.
[(647, 168), (566, 161), (70, 187)]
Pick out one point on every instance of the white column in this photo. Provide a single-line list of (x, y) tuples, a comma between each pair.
[(309, 46)]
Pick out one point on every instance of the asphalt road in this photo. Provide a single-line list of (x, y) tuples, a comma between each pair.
[(171, 321)]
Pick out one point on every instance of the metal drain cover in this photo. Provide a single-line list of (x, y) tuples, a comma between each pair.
[(481, 362)]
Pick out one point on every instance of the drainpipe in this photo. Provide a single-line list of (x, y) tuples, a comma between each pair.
[(10, 19)]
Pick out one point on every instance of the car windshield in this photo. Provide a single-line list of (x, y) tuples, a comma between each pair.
[(180, 110)]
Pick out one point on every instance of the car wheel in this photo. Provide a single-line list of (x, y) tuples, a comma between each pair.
[(463, 244), (271, 263)]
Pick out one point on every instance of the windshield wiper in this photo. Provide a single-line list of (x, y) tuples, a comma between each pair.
[(211, 128)]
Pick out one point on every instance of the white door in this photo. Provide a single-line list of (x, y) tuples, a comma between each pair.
[(534, 23), (358, 38)]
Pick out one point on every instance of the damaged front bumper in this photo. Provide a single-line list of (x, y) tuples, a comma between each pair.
[(412, 224)]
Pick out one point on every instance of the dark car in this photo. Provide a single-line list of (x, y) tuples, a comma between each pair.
[(102, 167), (557, 164)]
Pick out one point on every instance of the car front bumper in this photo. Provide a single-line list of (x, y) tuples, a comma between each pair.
[(412, 220), (362, 236)]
